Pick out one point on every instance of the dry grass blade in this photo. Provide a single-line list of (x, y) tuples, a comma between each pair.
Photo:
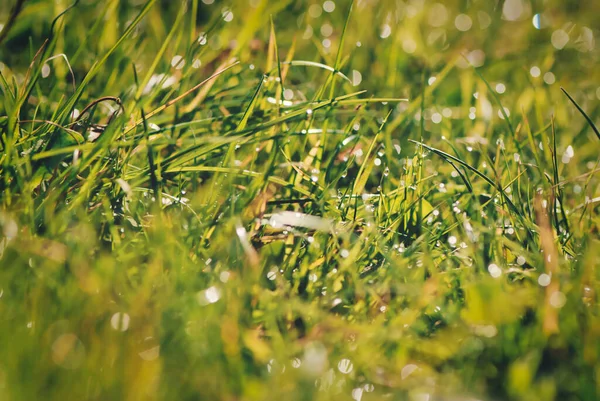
[(550, 254)]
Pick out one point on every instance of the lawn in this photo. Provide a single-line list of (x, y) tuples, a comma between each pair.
[(299, 200)]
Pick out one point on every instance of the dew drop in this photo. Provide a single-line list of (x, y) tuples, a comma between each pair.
[(463, 22), (45, 70), (209, 296), (224, 276), (537, 21), (386, 31), (329, 6), (452, 241), (177, 62), (408, 370), (227, 16), (559, 39), (357, 394), (544, 280), (345, 366), (494, 270), (558, 299), (120, 321), (549, 78)]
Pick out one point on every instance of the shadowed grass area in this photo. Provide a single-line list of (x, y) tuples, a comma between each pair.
[(299, 200)]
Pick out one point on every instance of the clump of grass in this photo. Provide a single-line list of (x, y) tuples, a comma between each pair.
[(214, 202)]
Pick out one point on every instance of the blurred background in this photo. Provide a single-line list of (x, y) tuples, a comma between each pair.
[(525, 49), (148, 309)]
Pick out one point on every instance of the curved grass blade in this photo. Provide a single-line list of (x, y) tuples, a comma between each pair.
[(361, 177), (306, 63), (449, 157), (583, 113), (248, 112)]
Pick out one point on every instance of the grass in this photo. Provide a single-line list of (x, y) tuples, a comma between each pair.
[(295, 200)]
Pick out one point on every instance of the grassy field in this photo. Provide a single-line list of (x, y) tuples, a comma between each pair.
[(299, 200)]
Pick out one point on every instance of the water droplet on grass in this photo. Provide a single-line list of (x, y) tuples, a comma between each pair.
[(512, 9), (315, 11), (329, 6), (544, 280), (68, 351), (537, 21), (386, 31), (484, 20), (120, 321), (408, 370), (409, 45), (177, 62), (314, 360), (494, 270), (326, 30), (549, 78), (476, 58), (535, 71), (559, 39), (345, 366), (438, 15), (209, 296), (224, 276), (558, 299), (357, 394), (10, 229), (463, 22), (45, 70), (356, 78), (227, 16)]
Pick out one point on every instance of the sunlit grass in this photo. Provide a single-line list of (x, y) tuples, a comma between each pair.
[(299, 200)]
